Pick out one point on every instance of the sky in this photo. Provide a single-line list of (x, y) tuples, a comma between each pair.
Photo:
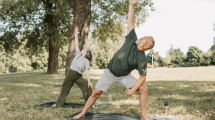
[(180, 23)]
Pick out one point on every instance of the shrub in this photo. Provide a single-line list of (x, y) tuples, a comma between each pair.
[(1, 67), (182, 64), (188, 64), (12, 69), (195, 64), (149, 65), (155, 64), (204, 63), (173, 66)]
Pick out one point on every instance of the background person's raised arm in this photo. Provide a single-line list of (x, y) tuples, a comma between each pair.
[(130, 21), (76, 39)]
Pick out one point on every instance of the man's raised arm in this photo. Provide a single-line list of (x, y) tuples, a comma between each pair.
[(131, 15)]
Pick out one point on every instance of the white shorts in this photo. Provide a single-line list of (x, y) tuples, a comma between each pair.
[(108, 79)]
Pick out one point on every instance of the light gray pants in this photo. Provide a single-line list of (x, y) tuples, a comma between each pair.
[(108, 79)]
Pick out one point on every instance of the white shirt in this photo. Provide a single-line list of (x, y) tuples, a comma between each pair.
[(79, 63)]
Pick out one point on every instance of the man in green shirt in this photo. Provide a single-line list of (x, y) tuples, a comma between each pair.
[(129, 57)]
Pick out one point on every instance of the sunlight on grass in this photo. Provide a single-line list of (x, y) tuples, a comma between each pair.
[(128, 101), (54, 83), (175, 97), (56, 92), (62, 77), (94, 77), (178, 110), (28, 85), (3, 98), (184, 85), (210, 90), (160, 87), (190, 93)]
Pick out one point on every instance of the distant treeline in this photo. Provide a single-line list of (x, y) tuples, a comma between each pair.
[(22, 59), (176, 58)]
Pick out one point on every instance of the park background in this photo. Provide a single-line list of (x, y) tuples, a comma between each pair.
[(36, 37)]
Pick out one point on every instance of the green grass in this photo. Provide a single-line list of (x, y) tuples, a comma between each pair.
[(189, 91)]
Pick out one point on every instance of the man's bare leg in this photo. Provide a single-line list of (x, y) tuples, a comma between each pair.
[(143, 91), (92, 99)]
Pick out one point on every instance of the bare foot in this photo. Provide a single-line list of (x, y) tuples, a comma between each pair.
[(79, 116), (147, 118)]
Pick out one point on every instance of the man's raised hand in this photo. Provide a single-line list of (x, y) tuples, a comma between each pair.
[(133, 2), (76, 31)]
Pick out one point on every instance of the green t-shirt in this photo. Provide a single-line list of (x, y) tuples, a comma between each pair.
[(128, 58)]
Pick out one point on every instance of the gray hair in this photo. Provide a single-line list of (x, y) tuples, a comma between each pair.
[(89, 53), (153, 41)]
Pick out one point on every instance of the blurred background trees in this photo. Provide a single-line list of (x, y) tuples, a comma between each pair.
[(47, 26)]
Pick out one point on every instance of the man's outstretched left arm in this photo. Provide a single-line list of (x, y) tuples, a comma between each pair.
[(130, 21)]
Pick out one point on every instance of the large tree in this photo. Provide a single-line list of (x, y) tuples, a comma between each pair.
[(194, 54), (51, 23), (177, 56)]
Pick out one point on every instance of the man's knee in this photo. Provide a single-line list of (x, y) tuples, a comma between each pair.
[(96, 93), (142, 88)]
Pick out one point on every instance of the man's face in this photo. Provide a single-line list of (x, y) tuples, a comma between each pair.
[(144, 43)]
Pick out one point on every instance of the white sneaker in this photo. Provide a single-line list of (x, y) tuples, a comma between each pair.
[(54, 105), (94, 106)]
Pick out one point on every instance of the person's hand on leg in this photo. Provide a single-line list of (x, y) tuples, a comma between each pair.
[(129, 92), (90, 85)]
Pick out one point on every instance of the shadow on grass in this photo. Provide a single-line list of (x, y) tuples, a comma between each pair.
[(191, 97), (195, 98), (184, 97)]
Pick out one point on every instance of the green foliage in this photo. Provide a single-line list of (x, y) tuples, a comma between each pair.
[(105, 13), (173, 66), (9, 41), (149, 65), (19, 61), (46, 22), (212, 53), (157, 60), (103, 52), (167, 60), (205, 63), (32, 18), (62, 57), (39, 59), (213, 58), (194, 54), (177, 56), (3, 58), (205, 56), (189, 64)]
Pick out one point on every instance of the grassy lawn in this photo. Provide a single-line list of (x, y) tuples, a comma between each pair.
[(190, 93)]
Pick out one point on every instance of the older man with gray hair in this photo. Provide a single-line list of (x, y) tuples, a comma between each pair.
[(129, 57)]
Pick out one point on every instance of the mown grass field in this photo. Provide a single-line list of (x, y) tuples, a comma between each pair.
[(190, 93)]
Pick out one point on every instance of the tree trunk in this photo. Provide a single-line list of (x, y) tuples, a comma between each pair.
[(52, 22), (82, 14)]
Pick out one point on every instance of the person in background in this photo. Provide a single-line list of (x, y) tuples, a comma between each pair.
[(80, 63)]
